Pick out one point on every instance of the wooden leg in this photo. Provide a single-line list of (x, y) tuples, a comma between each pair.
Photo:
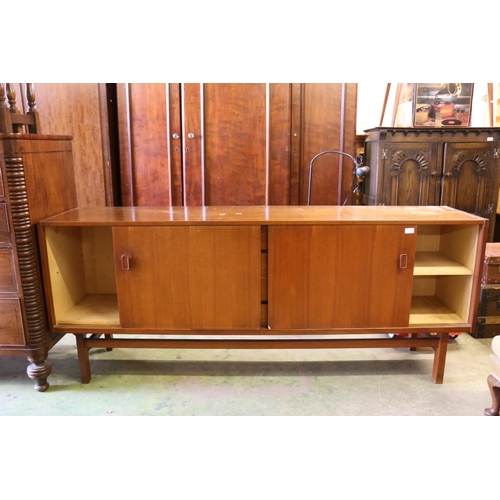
[(413, 336), (494, 386), (83, 359), (440, 359), (39, 370), (108, 336)]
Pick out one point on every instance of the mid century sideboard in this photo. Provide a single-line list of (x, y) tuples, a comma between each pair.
[(262, 277)]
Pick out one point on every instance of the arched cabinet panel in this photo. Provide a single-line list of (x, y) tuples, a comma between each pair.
[(456, 167)]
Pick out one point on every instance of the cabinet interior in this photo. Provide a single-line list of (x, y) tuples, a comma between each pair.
[(82, 275), (443, 274)]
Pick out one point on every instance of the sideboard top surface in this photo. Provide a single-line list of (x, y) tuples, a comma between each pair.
[(262, 215)]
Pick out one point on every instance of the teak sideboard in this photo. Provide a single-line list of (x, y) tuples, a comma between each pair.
[(262, 277)]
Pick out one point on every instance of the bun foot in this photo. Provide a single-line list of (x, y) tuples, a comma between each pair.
[(490, 412), (39, 372)]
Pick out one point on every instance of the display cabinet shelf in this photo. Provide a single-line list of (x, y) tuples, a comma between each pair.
[(436, 263)]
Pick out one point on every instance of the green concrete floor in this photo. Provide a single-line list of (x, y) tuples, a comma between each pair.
[(336, 382)]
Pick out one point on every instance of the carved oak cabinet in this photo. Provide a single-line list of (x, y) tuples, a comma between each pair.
[(36, 181), (456, 167)]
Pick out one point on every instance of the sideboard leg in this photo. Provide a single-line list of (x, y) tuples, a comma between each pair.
[(108, 336), (83, 359), (413, 336), (440, 359), (39, 370), (494, 386)]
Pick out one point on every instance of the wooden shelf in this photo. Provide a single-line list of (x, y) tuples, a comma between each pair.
[(431, 311), (94, 309), (438, 264)]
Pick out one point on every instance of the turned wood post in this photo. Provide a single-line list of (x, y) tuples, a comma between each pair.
[(39, 368), (5, 120), (11, 95), (30, 92), (12, 119), (2, 96)]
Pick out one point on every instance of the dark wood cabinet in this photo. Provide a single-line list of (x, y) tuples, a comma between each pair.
[(457, 167), (36, 181), (234, 143)]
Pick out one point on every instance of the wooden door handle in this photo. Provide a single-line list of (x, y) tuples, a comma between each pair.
[(403, 261), (125, 261)]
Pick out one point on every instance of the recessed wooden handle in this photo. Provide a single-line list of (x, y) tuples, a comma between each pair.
[(403, 261), (125, 260)]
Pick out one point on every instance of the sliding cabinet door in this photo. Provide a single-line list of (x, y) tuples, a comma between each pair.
[(188, 277), (351, 276)]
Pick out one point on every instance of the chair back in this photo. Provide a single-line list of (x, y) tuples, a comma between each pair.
[(12, 119)]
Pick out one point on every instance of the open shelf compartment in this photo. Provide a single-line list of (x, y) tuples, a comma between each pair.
[(443, 274), (82, 275)]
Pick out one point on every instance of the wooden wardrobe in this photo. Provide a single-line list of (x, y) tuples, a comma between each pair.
[(234, 143)]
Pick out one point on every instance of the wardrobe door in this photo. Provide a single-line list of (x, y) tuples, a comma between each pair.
[(150, 144), (81, 110), (327, 122), (235, 143)]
